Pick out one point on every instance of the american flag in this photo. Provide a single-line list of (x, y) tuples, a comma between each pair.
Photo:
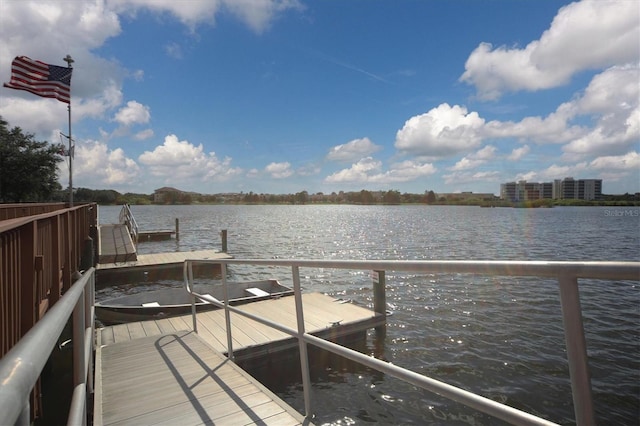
[(49, 81)]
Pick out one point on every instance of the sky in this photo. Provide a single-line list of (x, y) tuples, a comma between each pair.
[(284, 96)]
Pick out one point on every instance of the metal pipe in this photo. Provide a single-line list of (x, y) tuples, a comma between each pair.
[(92, 315), (227, 314), (576, 350), (78, 409), (187, 274), (79, 372), (478, 402), (25, 416), (304, 357), (21, 366), (567, 273), (596, 270)]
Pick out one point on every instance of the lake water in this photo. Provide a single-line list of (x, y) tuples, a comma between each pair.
[(501, 337)]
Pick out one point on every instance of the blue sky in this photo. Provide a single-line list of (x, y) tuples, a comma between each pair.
[(282, 96)]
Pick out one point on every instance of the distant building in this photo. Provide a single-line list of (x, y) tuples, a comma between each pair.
[(565, 189), (509, 191)]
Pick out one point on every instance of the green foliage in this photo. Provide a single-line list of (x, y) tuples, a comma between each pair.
[(28, 168), (431, 197)]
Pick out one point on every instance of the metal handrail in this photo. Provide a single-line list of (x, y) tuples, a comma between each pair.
[(126, 217), (567, 274), (23, 364)]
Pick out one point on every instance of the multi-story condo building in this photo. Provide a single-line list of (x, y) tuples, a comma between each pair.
[(565, 189)]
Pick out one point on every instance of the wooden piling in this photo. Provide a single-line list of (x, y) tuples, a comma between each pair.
[(380, 299), (177, 229), (223, 235)]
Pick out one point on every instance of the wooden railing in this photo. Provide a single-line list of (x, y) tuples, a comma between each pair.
[(39, 257), (12, 211)]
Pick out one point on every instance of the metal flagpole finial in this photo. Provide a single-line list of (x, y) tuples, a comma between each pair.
[(69, 60)]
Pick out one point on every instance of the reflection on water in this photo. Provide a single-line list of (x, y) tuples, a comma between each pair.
[(501, 337)]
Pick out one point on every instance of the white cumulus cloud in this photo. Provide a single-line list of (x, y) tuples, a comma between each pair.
[(95, 165), (279, 170), (629, 161), (133, 113), (590, 34), (518, 153), (441, 132), (353, 150), (256, 14), (368, 170), (181, 161)]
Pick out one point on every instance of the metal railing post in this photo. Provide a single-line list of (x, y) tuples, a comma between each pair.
[(304, 358), (576, 350), (566, 273), (227, 314), (79, 372), (89, 333), (189, 277)]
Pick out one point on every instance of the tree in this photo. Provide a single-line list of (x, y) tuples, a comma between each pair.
[(391, 197), (28, 168), (302, 197)]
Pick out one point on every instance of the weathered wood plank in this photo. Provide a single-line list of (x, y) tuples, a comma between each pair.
[(121, 333), (321, 312), (165, 326), (135, 330), (105, 336), (177, 378), (115, 244), (150, 328), (164, 259)]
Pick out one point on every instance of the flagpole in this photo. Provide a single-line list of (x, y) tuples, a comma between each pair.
[(69, 61)]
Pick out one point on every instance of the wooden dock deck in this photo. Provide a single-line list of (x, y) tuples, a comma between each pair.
[(159, 260), (161, 372), (324, 316), (176, 378), (157, 266), (116, 244)]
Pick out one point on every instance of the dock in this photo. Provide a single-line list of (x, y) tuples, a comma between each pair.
[(157, 266), (324, 317), (161, 372), (116, 244), (176, 378), (163, 260)]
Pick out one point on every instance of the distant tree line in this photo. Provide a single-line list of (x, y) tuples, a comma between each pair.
[(363, 197)]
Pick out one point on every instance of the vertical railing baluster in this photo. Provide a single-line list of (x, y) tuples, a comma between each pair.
[(576, 350), (189, 266), (304, 358), (227, 314)]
